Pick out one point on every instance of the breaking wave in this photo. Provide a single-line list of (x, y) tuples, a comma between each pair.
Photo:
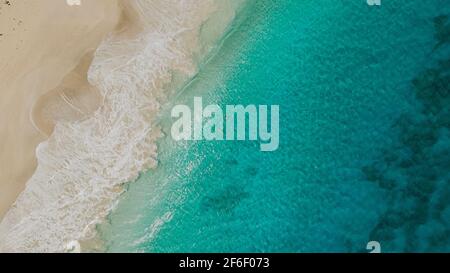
[(83, 165)]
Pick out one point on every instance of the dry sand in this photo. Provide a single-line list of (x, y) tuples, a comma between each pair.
[(45, 50)]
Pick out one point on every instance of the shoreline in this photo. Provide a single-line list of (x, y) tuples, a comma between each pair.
[(83, 165), (37, 54)]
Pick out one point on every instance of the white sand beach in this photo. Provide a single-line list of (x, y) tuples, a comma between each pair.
[(41, 44)]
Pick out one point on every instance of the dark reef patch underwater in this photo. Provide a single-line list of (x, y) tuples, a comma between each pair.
[(415, 171)]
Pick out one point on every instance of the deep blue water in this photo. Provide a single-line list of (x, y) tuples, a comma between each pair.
[(364, 138)]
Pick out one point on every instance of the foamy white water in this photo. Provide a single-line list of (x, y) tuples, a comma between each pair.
[(83, 165)]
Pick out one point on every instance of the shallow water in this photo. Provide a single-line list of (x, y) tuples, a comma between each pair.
[(357, 161)]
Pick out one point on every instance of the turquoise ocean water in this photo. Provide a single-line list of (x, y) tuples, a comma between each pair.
[(364, 138)]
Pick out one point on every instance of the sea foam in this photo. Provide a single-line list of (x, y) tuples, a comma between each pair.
[(83, 165)]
